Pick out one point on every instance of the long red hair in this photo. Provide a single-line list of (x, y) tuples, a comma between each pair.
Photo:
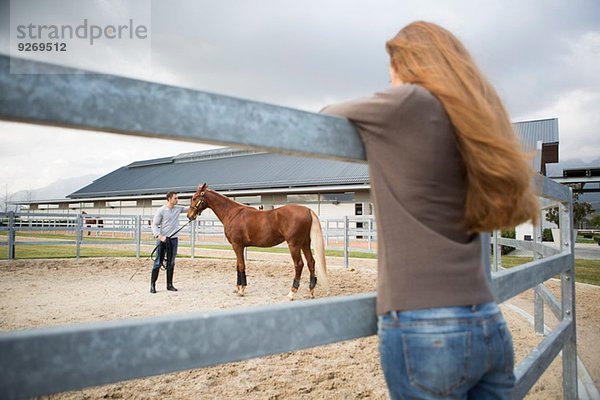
[(499, 174)]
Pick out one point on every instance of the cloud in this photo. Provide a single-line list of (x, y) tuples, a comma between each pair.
[(572, 95), (578, 124), (34, 156), (582, 64), (542, 56)]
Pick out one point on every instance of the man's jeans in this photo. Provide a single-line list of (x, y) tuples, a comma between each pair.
[(447, 353), (170, 246)]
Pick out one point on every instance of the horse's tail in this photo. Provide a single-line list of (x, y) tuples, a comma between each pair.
[(316, 237)]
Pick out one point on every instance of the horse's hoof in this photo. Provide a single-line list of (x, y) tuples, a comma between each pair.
[(312, 294), (290, 296)]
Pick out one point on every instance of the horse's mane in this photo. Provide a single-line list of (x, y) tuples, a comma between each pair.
[(228, 198)]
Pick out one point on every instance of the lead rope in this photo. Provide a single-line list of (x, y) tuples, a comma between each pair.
[(168, 240), (200, 201)]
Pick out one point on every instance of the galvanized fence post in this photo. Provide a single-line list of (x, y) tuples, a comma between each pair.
[(497, 236), (568, 300), (193, 234), (370, 233), (138, 235), (346, 226), (79, 235), (12, 235), (538, 304)]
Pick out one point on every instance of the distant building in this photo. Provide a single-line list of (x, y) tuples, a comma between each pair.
[(585, 176), (269, 180), (540, 136)]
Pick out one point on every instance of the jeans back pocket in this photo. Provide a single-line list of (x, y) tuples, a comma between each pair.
[(437, 362)]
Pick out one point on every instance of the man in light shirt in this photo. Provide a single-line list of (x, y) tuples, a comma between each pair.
[(165, 226)]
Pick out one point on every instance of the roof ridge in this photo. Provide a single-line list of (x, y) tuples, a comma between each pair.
[(212, 154)]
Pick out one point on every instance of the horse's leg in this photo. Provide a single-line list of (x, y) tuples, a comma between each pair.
[(310, 261), (298, 265), (241, 269)]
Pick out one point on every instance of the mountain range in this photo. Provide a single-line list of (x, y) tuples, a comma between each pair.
[(59, 189)]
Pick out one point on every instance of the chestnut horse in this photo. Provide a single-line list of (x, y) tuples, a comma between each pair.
[(91, 221), (246, 226)]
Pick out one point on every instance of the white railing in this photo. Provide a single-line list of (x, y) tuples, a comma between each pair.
[(347, 234)]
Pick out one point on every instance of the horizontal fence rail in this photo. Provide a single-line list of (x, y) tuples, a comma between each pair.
[(57, 359), (510, 282), (60, 96), (43, 361)]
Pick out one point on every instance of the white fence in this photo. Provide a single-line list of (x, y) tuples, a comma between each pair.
[(351, 233), (51, 360)]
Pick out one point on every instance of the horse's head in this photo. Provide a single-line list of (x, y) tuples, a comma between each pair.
[(198, 203)]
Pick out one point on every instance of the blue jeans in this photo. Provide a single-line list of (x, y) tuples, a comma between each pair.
[(170, 248), (447, 353)]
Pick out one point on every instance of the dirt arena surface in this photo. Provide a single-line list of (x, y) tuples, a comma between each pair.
[(41, 293)]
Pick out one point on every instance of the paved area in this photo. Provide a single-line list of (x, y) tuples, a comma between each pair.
[(586, 251)]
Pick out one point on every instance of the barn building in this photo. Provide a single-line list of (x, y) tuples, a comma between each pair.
[(267, 180), (258, 179)]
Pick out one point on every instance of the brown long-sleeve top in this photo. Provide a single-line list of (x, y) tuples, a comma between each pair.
[(426, 258)]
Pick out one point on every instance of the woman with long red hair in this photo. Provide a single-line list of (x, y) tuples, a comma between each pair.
[(445, 165)]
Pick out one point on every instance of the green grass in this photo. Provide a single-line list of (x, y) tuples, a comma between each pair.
[(68, 250), (585, 240), (328, 253), (284, 250), (512, 261), (23, 236), (586, 271), (63, 251)]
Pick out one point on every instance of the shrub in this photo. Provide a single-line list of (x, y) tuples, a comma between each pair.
[(580, 209), (511, 234), (547, 235)]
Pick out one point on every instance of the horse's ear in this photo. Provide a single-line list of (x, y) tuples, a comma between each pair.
[(201, 188)]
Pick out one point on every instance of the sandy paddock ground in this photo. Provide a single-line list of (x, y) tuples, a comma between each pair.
[(43, 293)]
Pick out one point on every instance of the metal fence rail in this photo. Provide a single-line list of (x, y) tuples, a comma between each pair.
[(45, 361), (67, 358)]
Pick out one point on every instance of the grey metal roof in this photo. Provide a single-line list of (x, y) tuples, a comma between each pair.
[(223, 169), (230, 169), (530, 132)]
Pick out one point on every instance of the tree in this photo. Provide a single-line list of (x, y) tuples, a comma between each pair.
[(6, 199), (595, 221), (580, 210)]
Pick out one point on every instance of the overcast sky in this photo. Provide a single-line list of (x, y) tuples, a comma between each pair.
[(543, 56)]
